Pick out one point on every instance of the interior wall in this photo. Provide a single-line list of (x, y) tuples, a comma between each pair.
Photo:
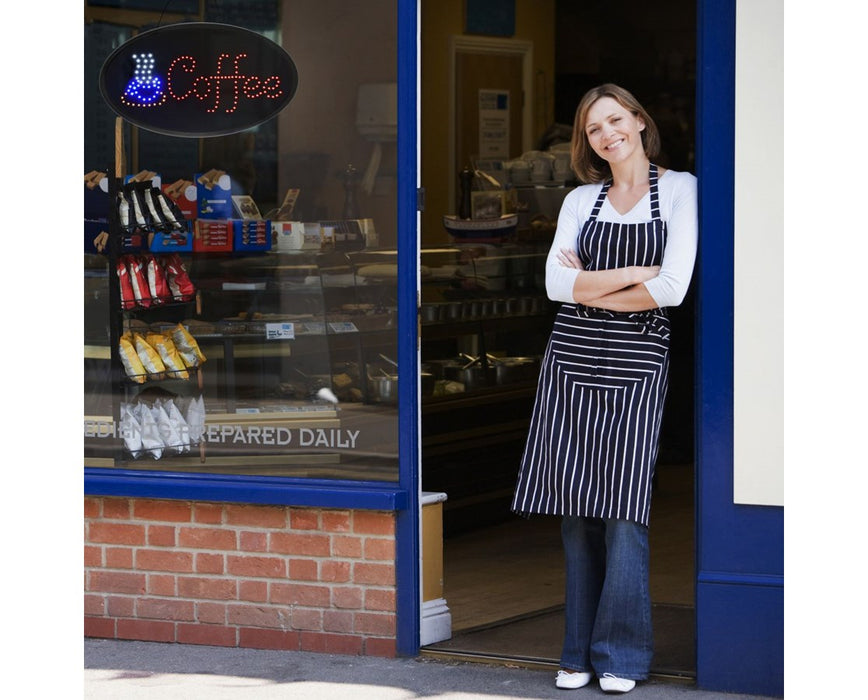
[(441, 19), (317, 136)]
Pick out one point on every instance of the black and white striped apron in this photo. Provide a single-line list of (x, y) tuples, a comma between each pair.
[(595, 426)]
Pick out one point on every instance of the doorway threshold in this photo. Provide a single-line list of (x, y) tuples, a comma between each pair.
[(533, 640)]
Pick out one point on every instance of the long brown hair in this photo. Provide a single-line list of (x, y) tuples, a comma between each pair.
[(587, 165)]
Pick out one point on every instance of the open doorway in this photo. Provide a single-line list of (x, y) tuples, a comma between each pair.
[(503, 575)]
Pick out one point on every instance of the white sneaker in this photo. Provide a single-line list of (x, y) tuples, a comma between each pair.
[(613, 684), (572, 679)]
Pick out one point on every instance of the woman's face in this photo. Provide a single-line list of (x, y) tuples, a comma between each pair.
[(613, 131)]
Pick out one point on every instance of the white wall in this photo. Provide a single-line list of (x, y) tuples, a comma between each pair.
[(759, 254)]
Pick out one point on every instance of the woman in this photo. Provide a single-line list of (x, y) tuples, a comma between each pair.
[(623, 251)]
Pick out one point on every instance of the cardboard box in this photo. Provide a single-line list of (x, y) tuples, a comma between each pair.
[(294, 235), (184, 194), (96, 197), (92, 229), (213, 195), (174, 242), (213, 236), (251, 235)]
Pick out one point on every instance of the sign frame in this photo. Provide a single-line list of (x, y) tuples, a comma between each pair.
[(198, 79)]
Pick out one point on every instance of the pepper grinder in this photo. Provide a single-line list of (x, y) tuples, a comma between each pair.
[(466, 178), (350, 177)]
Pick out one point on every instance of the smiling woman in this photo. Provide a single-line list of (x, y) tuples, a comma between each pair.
[(623, 251)]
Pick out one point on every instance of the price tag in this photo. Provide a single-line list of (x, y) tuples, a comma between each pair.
[(343, 327), (279, 331)]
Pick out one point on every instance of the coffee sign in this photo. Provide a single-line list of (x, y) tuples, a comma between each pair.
[(198, 79)]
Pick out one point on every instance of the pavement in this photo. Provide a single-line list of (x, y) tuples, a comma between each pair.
[(129, 670)]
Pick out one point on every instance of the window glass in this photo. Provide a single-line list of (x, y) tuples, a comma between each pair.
[(260, 336)]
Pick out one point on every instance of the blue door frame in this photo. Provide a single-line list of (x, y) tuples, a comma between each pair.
[(739, 549)]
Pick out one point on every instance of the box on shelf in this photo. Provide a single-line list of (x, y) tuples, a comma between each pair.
[(212, 236), (96, 197), (251, 235), (174, 242), (294, 235), (92, 229), (213, 195), (184, 194)]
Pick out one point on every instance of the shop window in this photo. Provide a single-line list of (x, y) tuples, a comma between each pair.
[(271, 348)]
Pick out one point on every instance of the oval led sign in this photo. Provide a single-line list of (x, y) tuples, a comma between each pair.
[(198, 79)]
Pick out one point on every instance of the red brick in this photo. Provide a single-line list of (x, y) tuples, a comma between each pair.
[(267, 639), (336, 521), (92, 508), (165, 609), (369, 522), (116, 508), (335, 571), (164, 560), (253, 541), (380, 599), (94, 605), (256, 516), (300, 594), (161, 584), (211, 635), (208, 588), (209, 563), (374, 574), (381, 647), (161, 535), (208, 513), (101, 627), (92, 556), (337, 621), (379, 549), (117, 533), (304, 519), (347, 546), (258, 616), (257, 567), (307, 619), (347, 597), (120, 606), (376, 624), (118, 558), (253, 591), (331, 643), (211, 613), (207, 538), (164, 511), (303, 570), (293, 543), (117, 582), (146, 630)]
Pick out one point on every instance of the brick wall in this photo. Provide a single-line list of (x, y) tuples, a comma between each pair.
[(267, 577)]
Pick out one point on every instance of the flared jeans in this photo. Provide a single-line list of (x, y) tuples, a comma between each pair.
[(608, 604)]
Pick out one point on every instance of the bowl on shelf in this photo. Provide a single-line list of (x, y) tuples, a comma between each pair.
[(487, 230)]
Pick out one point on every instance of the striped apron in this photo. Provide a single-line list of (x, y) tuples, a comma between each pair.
[(595, 426)]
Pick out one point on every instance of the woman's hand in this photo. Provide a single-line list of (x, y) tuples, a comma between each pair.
[(569, 258), (643, 274)]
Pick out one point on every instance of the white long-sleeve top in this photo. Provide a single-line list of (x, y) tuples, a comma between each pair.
[(678, 208)]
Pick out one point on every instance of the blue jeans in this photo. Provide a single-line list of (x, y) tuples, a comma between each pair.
[(608, 605)]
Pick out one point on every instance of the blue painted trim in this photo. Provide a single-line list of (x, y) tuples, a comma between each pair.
[(317, 493), (739, 549), (726, 578), (407, 545)]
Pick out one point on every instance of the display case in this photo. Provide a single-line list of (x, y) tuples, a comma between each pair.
[(297, 375), (485, 320)]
